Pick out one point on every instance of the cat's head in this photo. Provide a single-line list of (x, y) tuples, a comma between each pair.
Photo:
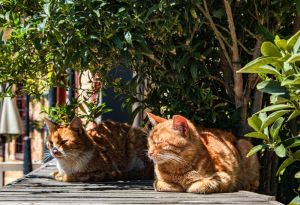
[(172, 141), (67, 141)]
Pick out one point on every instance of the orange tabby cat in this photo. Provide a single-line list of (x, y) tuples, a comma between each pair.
[(110, 151), (205, 161)]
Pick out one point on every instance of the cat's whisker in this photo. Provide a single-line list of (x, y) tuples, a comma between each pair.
[(175, 158)]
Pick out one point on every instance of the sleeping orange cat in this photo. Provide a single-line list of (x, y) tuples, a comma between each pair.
[(199, 161), (110, 151)]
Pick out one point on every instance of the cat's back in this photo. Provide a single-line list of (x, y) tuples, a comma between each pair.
[(216, 137), (221, 146), (121, 143)]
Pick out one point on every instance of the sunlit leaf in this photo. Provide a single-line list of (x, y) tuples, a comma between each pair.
[(269, 49), (280, 151), (255, 122), (284, 165), (276, 107), (258, 135), (255, 65), (294, 114), (256, 149), (274, 130), (295, 201), (272, 117)]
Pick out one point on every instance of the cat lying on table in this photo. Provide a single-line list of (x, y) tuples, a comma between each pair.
[(199, 161), (110, 151)]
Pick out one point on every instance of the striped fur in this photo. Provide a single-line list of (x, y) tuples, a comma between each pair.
[(111, 151), (205, 161)]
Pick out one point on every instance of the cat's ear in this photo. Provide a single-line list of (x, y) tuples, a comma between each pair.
[(155, 119), (52, 126), (76, 124), (180, 124)]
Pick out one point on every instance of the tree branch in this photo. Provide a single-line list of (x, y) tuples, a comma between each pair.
[(218, 34), (238, 79)]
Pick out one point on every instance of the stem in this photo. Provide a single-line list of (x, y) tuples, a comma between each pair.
[(218, 34)]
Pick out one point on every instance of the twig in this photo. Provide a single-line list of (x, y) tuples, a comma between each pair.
[(218, 34)]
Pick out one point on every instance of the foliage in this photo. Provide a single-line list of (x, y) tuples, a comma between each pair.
[(183, 52), (63, 114), (280, 73), (162, 41)]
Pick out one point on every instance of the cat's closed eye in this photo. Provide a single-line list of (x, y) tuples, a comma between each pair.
[(167, 148), (63, 142)]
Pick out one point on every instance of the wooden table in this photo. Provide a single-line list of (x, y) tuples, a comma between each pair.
[(39, 188)]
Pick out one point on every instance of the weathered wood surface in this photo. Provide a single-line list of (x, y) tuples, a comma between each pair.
[(39, 188)]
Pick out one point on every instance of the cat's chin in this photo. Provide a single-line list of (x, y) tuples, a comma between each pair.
[(159, 161)]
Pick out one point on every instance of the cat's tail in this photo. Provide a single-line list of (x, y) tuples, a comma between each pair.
[(250, 171)]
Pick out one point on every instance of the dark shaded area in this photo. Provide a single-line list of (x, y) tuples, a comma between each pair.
[(114, 101)]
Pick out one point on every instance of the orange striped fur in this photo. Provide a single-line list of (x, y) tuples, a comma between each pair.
[(111, 151), (204, 161)]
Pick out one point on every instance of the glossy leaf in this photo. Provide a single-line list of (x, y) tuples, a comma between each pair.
[(269, 49), (295, 201), (254, 66), (292, 142), (272, 87), (257, 135), (273, 117), (294, 58), (255, 122), (291, 80), (284, 165), (276, 107), (291, 41), (294, 114), (256, 149), (274, 130), (280, 151), (297, 175)]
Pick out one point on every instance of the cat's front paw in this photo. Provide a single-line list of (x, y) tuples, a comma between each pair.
[(167, 186), (204, 186), (57, 176)]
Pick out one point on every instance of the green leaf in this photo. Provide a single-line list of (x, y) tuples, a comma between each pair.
[(255, 122), (272, 117), (292, 142), (296, 46), (294, 114), (255, 66), (256, 149), (128, 37), (269, 49), (297, 175), (258, 135), (47, 9), (280, 151), (294, 58), (276, 107), (284, 165), (266, 69), (295, 201), (292, 40), (291, 80), (272, 87), (193, 13), (276, 127), (281, 43), (194, 71)]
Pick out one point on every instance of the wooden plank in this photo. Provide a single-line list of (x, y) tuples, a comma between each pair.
[(39, 188)]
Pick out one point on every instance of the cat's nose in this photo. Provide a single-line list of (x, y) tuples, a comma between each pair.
[(54, 150), (150, 154)]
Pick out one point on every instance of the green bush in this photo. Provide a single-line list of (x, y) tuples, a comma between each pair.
[(279, 70)]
